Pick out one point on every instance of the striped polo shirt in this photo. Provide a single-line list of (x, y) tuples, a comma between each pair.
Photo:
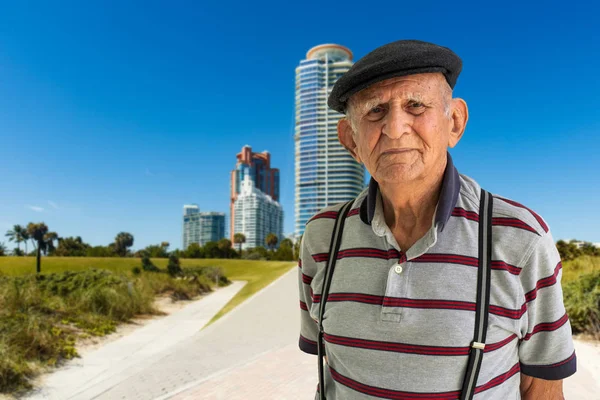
[(399, 322)]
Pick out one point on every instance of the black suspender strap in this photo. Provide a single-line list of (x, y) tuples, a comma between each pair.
[(483, 296), (483, 293), (334, 248)]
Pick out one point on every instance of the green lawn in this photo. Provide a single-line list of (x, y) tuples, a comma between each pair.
[(258, 274)]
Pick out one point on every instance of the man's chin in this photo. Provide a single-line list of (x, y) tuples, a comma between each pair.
[(397, 175)]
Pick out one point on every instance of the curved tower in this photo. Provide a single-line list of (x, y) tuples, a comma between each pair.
[(326, 173)]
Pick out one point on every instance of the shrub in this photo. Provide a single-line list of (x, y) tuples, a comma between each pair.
[(14, 371), (136, 270), (253, 256), (573, 269), (212, 274), (582, 302), (174, 268), (148, 266)]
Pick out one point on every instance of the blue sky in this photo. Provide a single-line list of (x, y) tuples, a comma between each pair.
[(112, 115)]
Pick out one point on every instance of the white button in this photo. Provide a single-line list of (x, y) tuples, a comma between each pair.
[(398, 269)]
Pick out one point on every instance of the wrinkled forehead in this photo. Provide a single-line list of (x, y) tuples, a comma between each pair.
[(415, 86)]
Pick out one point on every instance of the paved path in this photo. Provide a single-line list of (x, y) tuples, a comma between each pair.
[(96, 373), (249, 354), (585, 384)]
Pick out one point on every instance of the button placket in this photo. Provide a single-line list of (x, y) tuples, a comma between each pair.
[(397, 286)]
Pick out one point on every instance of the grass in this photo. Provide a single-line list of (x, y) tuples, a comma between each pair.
[(258, 274), (17, 266)]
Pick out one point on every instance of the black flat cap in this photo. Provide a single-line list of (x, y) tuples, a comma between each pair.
[(400, 58)]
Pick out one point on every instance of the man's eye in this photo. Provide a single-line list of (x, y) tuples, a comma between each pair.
[(416, 104), (376, 110)]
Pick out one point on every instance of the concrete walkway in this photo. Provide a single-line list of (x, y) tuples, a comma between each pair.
[(251, 354), (98, 372), (585, 384), (226, 360)]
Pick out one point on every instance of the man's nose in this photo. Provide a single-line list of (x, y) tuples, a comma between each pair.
[(398, 122)]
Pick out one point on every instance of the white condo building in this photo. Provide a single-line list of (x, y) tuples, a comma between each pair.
[(326, 174), (256, 215)]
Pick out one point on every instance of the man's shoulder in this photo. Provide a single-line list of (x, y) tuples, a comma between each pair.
[(323, 221), (506, 211), (330, 212)]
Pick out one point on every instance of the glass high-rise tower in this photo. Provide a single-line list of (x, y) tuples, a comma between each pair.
[(201, 227), (326, 173)]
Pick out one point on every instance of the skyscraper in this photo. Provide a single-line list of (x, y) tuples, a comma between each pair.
[(201, 227), (258, 167), (190, 209), (256, 215), (326, 173)]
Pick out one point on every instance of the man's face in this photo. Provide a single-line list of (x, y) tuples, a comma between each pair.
[(403, 127)]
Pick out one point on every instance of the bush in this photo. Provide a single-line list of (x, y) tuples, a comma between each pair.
[(174, 268), (14, 371), (582, 301), (572, 270), (253, 256), (136, 270), (101, 251), (148, 266), (211, 274)]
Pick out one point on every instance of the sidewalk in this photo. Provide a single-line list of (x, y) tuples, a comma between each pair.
[(585, 384), (99, 371), (258, 333)]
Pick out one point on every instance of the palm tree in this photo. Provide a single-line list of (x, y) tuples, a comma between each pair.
[(18, 235), (50, 238), (37, 233), (123, 241), (286, 243), (239, 239), (3, 249), (271, 240), (224, 246)]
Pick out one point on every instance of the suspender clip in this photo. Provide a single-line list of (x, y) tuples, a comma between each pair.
[(477, 345)]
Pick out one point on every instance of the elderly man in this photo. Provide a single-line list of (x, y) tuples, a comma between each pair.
[(426, 286)]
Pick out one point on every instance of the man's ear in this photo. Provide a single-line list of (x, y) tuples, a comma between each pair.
[(346, 138), (460, 116)]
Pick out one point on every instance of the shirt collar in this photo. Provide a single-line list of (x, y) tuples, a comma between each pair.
[(446, 203)]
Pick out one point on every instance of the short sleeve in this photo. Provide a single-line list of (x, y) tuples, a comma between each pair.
[(307, 269), (546, 348)]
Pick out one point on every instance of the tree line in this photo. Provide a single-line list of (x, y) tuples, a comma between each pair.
[(570, 251), (51, 244), (44, 241)]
